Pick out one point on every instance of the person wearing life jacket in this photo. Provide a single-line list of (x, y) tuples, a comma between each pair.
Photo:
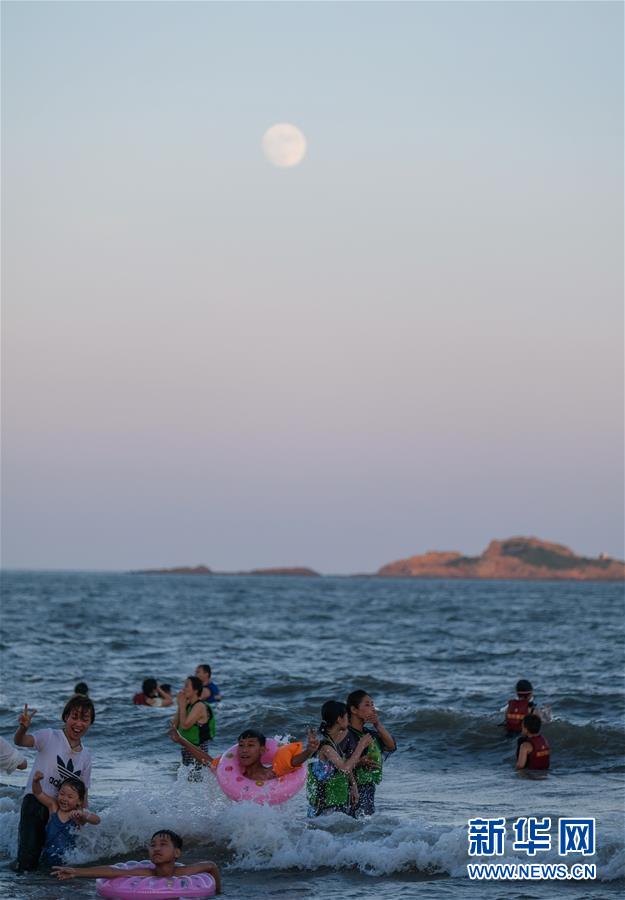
[(532, 749), (364, 719), (194, 719), (519, 707), (331, 783)]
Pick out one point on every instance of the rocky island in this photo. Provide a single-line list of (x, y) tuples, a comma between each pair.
[(514, 558)]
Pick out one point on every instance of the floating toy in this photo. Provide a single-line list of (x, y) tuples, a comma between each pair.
[(154, 887), (235, 785)]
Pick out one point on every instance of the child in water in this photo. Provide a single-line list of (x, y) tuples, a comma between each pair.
[(165, 848), (532, 748), (331, 784), (251, 746), (364, 719), (66, 816)]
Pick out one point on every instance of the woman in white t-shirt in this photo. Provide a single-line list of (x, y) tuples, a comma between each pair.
[(60, 755)]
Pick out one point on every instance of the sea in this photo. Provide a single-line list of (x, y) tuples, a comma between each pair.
[(440, 659)]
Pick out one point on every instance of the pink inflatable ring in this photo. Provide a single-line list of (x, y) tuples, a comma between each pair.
[(235, 785), (154, 888)]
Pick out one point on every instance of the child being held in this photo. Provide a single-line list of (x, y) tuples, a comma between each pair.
[(164, 851), (66, 817)]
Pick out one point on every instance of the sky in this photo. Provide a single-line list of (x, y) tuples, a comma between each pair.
[(411, 341)]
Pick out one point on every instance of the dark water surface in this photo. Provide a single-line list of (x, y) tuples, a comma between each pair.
[(440, 659)]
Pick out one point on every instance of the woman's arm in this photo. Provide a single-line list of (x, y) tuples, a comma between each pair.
[(39, 794), (166, 698), (20, 738), (205, 758), (346, 765), (386, 737), (65, 872)]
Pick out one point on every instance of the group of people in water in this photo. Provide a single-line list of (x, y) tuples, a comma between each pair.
[(346, 758)]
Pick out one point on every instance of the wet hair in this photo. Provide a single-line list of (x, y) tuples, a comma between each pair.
[(166, 688), (532, 723), (82, 688), (355, 699), (252, 734), (331, 711), (524, 687), (173, 837), (78, 701), (196, 684), (77, 785), (149, 686), (206, 668)]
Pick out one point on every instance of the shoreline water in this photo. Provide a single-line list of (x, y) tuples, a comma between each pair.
[(439, 658)]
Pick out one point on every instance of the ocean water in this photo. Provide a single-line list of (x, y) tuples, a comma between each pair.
[(439, 658)]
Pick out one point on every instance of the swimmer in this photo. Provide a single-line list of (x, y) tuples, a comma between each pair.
[(519, 707), (331, 783), (364, 719), (164, 850), (152, 694), (82, 688), (210, 691), (532, 748), (251, 746)]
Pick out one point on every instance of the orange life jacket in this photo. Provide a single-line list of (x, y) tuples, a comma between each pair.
[(516, 712)]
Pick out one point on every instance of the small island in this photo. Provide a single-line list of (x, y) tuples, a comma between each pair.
[(523, 558)]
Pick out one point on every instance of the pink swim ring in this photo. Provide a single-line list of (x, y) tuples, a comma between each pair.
[(235, 785), (154, 888)]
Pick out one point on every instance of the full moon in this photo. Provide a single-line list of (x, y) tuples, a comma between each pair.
[(284, 145)]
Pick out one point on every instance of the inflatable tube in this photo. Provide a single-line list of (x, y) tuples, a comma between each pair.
[(235, 785), (154, 888)]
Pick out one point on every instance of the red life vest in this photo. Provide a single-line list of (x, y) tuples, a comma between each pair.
[(539, 757), (139, 700), (516, 712)]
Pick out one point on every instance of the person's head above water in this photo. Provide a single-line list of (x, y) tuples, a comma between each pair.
[(78, 716), (532, 723), (82, 688), (165, 847), (204, 673), (71, 794), (251, 746), (149, 687), (524, 687), (332, 712), (166, 688)]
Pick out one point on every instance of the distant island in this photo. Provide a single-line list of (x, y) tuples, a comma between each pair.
[(300, 571), (516, 558), (524, 558)]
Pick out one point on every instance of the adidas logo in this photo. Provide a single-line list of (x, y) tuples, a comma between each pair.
[(65, 770)]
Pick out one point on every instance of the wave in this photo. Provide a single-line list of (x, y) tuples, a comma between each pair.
[(457, 730), (248, 837)]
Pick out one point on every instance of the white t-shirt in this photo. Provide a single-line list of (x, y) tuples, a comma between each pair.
[(56, 759), (10, 758)]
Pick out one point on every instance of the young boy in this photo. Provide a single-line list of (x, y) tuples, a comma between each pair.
[(532, 748), (519, 707), (210, 691), (165, 848), (60, 755), (251, 746)]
